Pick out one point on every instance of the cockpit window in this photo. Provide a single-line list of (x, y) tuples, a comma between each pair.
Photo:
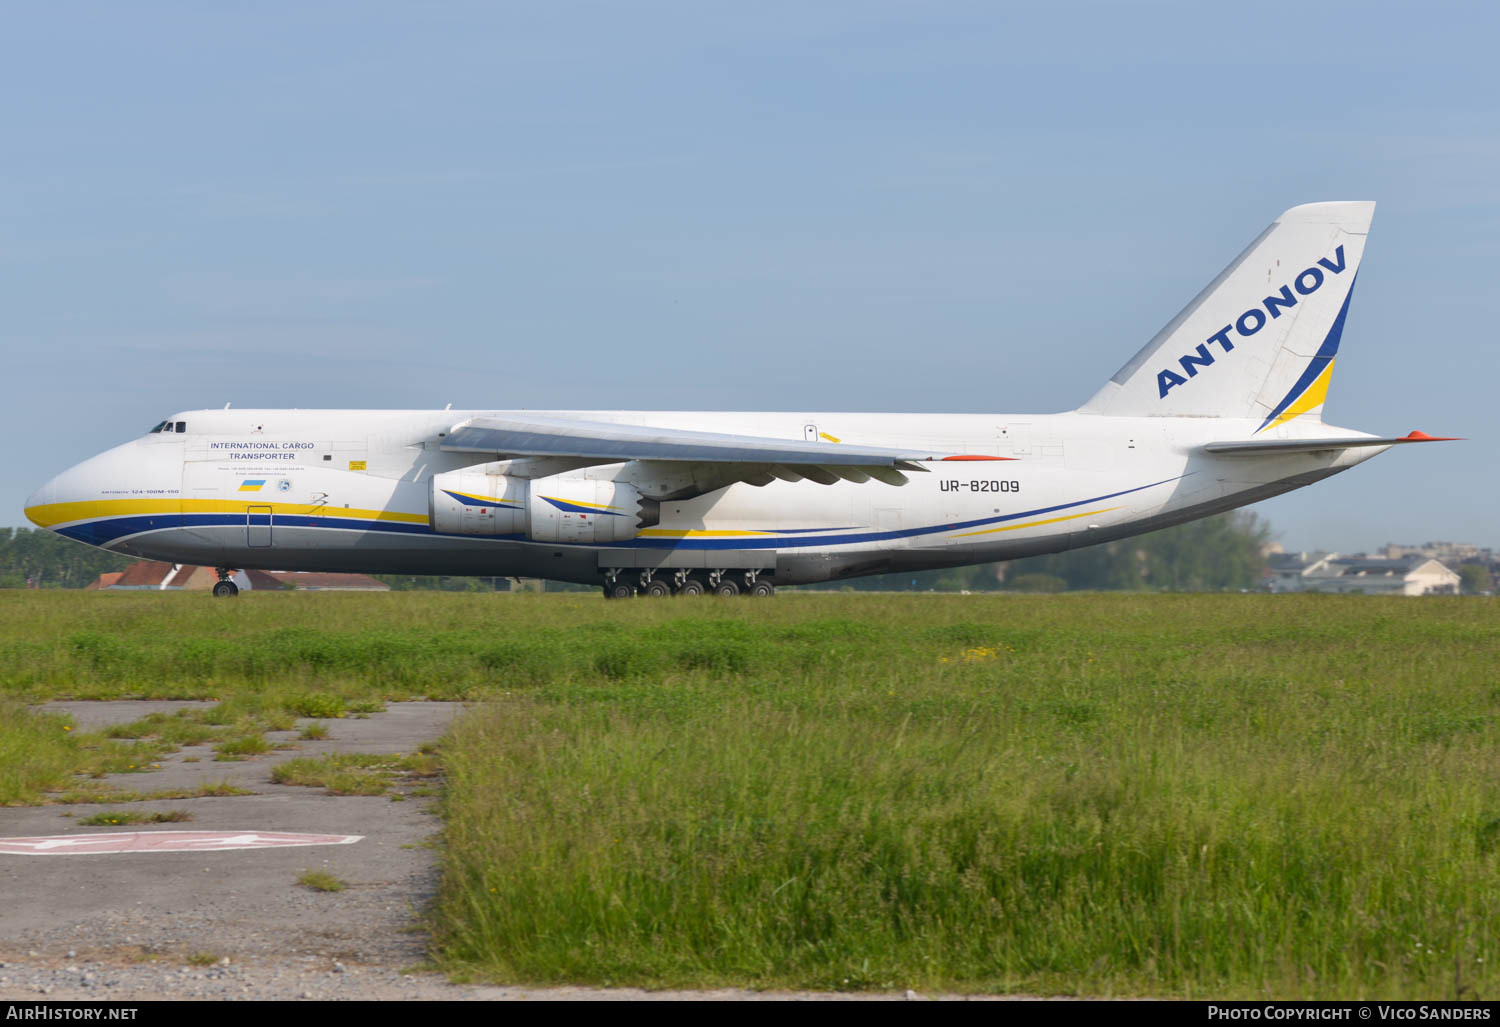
[(158, 428), (181, 427)]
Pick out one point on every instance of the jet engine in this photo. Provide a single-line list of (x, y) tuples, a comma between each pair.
[(561, 508)]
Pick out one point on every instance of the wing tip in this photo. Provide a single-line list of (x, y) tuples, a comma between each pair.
[(1422, 436)]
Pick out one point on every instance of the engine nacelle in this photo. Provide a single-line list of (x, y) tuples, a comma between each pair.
[(567, 509), (478, 501), (561, 508)]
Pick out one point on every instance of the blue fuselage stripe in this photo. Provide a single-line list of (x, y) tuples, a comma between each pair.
[(102, 532)]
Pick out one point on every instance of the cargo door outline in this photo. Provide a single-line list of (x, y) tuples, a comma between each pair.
[(258, 527)]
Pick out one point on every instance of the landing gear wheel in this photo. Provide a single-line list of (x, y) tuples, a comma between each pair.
[(762, 588), (656, 588), (727, 587), (692, 587), (226, 590), (620, 590)]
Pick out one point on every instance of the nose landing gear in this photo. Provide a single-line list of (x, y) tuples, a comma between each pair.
[(225, 588)]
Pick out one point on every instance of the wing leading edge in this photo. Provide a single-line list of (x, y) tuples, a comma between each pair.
[(760, 457)]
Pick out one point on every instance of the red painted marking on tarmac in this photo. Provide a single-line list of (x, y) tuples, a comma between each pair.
[(165, 841)]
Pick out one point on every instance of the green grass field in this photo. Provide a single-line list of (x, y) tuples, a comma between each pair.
[(1092, 794)]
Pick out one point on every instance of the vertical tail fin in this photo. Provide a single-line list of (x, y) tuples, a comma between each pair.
[(1260, 341)]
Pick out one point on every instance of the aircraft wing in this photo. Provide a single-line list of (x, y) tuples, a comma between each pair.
[(743, 457), (1262, 447)]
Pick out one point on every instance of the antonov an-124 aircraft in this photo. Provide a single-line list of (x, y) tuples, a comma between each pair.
[(1223, 407)]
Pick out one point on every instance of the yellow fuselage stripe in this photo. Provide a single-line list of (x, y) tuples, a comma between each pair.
[(698, 533), (1036, 524), (66, 513)]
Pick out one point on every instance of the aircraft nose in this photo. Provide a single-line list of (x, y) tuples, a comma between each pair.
[(85, 491), (42, 497)]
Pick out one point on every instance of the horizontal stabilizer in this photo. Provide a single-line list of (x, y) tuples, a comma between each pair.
[(1261, 447)]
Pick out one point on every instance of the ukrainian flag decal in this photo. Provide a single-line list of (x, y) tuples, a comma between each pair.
[(252, 484)]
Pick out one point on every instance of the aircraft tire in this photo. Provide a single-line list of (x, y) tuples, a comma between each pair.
[(657, 588), (762, 588), (621, 590), (226, 590), (727, 587), (692, 587)]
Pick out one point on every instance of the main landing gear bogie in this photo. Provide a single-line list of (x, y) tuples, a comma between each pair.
[(625, 585)]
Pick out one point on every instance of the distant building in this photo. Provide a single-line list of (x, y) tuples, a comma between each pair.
[(1371, 575), (317, 581), (1450, 553), (1287, 572), (150, 576), (1456, 556)]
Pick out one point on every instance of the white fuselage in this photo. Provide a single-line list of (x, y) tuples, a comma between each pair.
[(352, 490)]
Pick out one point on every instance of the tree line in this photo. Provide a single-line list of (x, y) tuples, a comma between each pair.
[(36, 558)]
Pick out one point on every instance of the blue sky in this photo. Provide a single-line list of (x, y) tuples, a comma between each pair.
[(836, 206)]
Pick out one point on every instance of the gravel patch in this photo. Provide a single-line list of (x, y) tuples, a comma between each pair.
[(236, 925), (228, 924), (113, 977)]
